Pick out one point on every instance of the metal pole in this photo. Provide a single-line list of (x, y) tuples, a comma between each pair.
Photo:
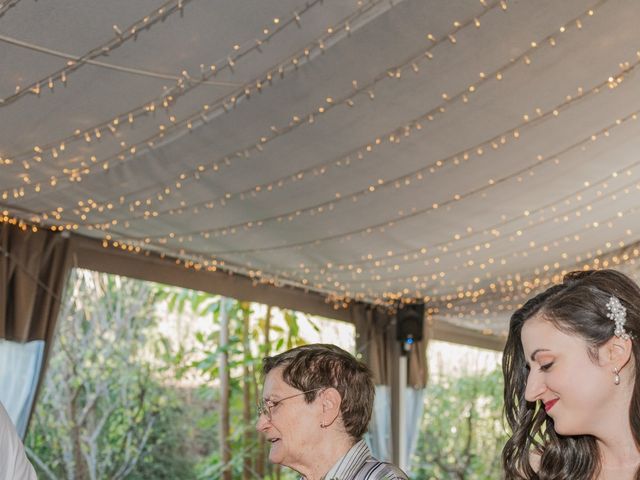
[(398, 407), (402, 412)]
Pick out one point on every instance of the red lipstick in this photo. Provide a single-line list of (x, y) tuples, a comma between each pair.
[(549, 405)]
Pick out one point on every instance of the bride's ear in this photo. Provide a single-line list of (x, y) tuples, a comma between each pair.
[(616, 352)]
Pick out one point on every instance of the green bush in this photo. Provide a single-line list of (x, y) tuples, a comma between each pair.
[(462, 431)]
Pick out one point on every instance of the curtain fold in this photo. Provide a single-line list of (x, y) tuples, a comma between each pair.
[(379, 435), (414, 402), (374, 340), (33, 271)]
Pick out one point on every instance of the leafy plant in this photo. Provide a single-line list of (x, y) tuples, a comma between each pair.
[(462, 432), (102, 412)]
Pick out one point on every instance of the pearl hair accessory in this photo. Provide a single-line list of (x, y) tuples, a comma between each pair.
[(618, 313)]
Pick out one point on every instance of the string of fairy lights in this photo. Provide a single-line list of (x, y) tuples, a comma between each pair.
[(503, 258), (6, 5), (406, 180), (166, 190), (567, 238), (496, 286), (297, 176), (475, 293), (615, 174), (510, 293), (519, 175), (193, 120), (574, 214), (527, 286), (531, 249), (502, 285), (492, 232), (392, 137), (185, 83), (121, 36), (489, 302)]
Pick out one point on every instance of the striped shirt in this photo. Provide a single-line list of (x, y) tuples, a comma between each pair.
[(359, 464)]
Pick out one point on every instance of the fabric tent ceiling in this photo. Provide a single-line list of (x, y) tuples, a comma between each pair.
[(461, 152)]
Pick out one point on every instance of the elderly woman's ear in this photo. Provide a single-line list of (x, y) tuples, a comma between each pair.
[(330, 401)]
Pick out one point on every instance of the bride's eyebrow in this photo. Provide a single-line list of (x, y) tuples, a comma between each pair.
[(536, 352)]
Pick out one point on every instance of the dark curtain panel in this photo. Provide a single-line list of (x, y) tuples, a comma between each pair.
[(33, 272), (375, 340)]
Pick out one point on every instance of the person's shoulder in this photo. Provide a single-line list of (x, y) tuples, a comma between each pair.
[(394, 474), (385, 471)]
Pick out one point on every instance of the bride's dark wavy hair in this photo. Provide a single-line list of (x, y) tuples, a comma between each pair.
[(576, 306)]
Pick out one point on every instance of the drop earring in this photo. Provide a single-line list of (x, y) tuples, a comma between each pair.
[(616, 378)]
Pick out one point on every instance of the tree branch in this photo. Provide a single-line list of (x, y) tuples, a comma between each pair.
[(41, 465)]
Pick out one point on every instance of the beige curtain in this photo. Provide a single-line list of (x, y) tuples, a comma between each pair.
[(33, 271), (376, 341)]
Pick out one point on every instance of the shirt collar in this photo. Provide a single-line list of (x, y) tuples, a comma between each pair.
[(350, 463)]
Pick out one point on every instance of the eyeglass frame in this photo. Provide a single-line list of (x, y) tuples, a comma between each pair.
[(265, 406)]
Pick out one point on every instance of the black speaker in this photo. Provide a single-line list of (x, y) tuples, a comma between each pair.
[(410, 322)]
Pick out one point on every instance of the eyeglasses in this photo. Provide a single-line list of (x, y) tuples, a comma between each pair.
[(265, 406)]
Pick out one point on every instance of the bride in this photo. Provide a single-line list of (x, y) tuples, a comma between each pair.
[(572, 399)]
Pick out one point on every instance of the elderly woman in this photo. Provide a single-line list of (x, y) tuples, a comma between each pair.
[(316, 408)]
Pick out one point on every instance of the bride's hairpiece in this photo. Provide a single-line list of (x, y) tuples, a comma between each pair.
[(618, 313)]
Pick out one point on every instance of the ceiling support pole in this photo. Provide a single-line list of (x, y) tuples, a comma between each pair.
[(398, 407)]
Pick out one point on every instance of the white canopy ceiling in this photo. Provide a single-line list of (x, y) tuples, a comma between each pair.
[(461, 152)]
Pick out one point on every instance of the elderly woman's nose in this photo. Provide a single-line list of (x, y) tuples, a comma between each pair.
[(262, 423), (535, 387)]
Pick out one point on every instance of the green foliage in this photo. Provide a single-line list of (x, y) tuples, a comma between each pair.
[(245, 350), (102, 412), (462, 432)]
